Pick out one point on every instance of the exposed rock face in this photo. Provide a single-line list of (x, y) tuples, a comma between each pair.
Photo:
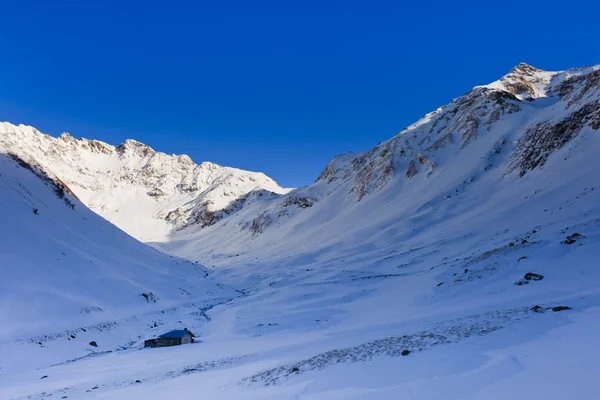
[(541, 140), (576, 86), (260, 223), (300, 202)]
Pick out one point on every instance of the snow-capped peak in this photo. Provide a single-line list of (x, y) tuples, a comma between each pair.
[(525, 69), (524, 82)]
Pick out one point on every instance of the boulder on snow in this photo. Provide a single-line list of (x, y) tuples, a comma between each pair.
[(405, 352), (530, 276), (560, 308), (571, 238), (150, 297)]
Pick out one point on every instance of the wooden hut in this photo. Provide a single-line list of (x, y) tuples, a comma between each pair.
[(172, 338)]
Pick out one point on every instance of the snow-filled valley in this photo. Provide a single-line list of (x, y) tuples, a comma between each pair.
[(457, 260)]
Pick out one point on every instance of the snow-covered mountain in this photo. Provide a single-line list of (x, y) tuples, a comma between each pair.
[(146, 193), (492, 138), (508, 127), (456, 260)]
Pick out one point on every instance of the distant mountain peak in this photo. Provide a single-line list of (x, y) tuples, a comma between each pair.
[(145, 192)]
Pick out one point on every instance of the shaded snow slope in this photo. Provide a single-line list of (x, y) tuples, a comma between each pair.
[(146, 193), (69, 277)]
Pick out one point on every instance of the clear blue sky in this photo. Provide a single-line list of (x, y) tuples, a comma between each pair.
[(273, 86)]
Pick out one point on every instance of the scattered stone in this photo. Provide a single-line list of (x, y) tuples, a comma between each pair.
[(466, 270), (295, 370), (95, 387), (138, 381), (530, 276), (533, 231), (524, 241), (521, 283), (35, 211), (44, 377), (442, 334), (511, 244), (150, 297), (93, 343), (538, 308), (571, 238), (405, 352), (73, 336), (440, 284), (64, 397), (560, 308), (521, 258)]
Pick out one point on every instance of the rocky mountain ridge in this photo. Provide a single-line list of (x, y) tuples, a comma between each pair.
[(146, 193), (525, 91)]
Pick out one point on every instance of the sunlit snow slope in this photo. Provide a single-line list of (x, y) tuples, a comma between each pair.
[(146, 193)]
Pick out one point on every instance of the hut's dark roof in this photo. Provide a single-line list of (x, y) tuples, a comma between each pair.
[(176, 334)]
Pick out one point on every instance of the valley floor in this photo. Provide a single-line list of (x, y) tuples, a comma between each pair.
[(495, 356), (320, 331)]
